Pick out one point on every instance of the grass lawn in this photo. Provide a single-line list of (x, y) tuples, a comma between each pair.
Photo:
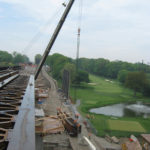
[(101, 92), (125, 126)]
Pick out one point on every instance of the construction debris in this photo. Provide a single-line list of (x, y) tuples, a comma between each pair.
[(108, 138), (72, 126), (90, 143), (39, 113), (56, 142), (133, 138), (131, 146), (146, 141), (115, 139), (49, 125), (42, 95)]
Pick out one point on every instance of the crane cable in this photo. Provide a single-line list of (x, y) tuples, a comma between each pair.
[(78, 42), (38, 35), (79, 29)]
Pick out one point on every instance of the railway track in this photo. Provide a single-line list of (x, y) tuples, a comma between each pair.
[(16, 111)]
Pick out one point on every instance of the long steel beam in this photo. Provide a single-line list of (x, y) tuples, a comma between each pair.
[(54, 36), (23, 134)]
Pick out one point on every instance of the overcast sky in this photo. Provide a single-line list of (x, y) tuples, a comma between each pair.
[(112, 29)]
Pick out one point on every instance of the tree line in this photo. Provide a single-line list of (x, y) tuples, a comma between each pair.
[(7, 59), (110, 69), (135, 76), (58, 63)]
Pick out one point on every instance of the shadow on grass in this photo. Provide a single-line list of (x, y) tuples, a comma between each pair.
[(82, 86)]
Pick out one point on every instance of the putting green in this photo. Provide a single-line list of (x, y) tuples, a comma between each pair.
[(131, 126)]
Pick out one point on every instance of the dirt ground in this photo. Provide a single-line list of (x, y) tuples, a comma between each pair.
[(63, 141)]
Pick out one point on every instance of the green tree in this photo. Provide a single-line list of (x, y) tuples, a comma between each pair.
[(72, 71), (122, 75), (146, 89), (37, 58), (101, 67), (57, 63), (5, 57), (26, 59), (136, 81), (110, 69), (19, 58), (81, 76)]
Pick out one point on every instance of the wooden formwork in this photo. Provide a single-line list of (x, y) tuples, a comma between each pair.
[(49, 125), (71, 125)]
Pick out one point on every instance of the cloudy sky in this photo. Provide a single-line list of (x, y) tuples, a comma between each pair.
[(112, 29)]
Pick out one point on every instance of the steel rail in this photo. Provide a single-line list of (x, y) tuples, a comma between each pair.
[(7, 75), (23, 134), (3, 72), (8, 80)]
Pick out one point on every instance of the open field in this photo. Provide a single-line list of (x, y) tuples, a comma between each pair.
[(125, 126), (103, 92)]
